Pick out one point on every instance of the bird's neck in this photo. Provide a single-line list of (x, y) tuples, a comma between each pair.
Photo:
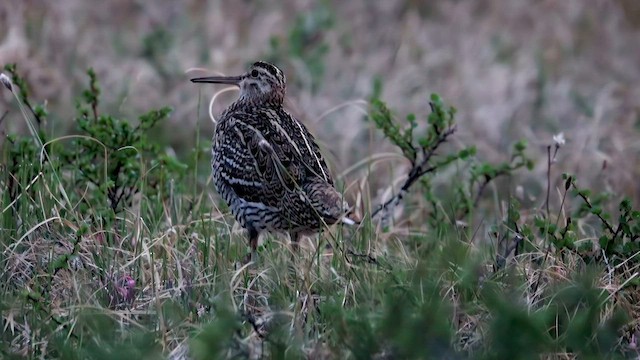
[(258, 100)]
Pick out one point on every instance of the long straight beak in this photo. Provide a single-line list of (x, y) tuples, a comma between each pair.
[(233, 80)]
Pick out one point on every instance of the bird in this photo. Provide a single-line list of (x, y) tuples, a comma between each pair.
[(267, 166)]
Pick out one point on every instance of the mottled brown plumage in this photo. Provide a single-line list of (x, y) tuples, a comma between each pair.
[(266, 165)]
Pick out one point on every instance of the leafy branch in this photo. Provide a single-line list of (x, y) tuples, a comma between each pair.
[(38, 111), (619, 240), (420, 151)]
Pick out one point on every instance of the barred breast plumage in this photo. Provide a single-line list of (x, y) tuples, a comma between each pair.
[(266, 165)]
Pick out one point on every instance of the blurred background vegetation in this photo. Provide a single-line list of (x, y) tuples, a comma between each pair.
[(513, 69)]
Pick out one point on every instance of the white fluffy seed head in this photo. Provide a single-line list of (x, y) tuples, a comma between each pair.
[(6, 81)]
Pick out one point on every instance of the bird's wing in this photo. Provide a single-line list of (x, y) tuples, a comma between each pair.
[(256, 168), (304, 149)]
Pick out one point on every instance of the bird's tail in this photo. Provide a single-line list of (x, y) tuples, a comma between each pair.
[(329, 203), (349, 218)]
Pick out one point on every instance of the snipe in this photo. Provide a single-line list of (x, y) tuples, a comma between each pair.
[(266, 165)]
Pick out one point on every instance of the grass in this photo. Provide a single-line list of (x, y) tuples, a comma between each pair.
[(112, 245), (112, 249)]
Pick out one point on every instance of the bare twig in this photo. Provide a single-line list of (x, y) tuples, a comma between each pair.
[(4, 116), (604, 221), (548, 180), (501, 259), (418, 170), (367, 257), (254, 324)]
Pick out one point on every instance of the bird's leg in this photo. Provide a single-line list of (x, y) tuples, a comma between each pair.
[(253, 244), (295, 251), (295, 242)]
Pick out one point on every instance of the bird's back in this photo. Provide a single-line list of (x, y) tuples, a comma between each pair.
[(269, 169)]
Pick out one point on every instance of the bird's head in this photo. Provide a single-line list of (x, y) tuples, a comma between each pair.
[(263, 82)]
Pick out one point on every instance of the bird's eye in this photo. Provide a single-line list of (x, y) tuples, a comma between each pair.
[(254, 73)]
